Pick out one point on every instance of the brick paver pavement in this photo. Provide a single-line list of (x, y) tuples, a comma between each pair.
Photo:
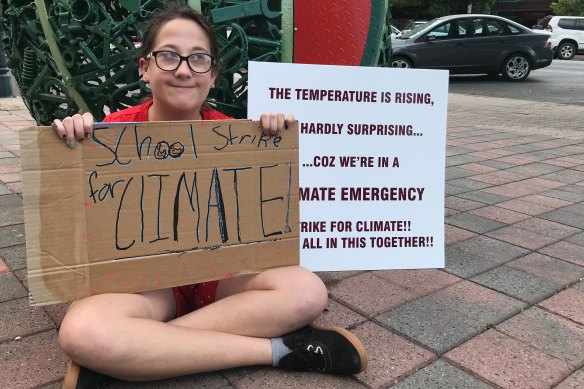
[(506, 312)]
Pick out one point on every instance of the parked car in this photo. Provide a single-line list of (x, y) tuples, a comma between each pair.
[(567, 34), (395, 32), (411, 24), (473, 44)]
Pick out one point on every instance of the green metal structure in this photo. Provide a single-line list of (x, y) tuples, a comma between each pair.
[(71, 56)]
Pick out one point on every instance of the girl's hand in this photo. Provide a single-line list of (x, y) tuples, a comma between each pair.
[(74, 127), (274, 122)]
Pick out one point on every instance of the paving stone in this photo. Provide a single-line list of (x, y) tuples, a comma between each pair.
[(502, 215), (575, 381), (478, 167), (390, 356), (461, 160), (474, 301), (14, 256), (565, 217), (12, 235), (9, 202), (559, 194), (433, 325), (484, 197), (336, 314), (208, 380), (493, 179), (461, 204), (522, 238), (555, 270), (515, 189), (524, 286), (568, 303), (440, 375), (497, 164), (275, 378), (545, 200), (18, 318), (476, 255), (547, 228), (355, 292), (22, 276), (525, 207), (4, 189), (473, 223), (577, 239), (576, 189), (330, 277), (454, 234), (15, 187), (567, 176), (11, 216), (9, 161), (420, 282), (32, 361), (508, 363), (535, 169), (450, 212), (551, 333), (470, 184), (57, 312), (450, 190), (453, 173), (11, 288), (565, 250)]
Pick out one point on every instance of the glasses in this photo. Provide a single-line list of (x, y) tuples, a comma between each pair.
[(169, 61)]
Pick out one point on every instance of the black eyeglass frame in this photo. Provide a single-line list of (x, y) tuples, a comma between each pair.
[(182, 58)]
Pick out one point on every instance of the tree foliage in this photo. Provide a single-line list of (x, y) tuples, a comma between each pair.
[(568, 7)]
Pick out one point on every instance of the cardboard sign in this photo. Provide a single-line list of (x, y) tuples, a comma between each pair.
[(372, 161), (144, 206)]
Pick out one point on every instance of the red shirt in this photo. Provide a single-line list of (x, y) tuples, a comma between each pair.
[(139, 113)]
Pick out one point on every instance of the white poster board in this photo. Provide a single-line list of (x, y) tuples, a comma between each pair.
[(372, 161)]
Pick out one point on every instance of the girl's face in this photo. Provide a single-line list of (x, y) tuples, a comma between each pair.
[(178, 94)]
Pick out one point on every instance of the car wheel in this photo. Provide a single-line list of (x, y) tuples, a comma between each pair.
[(516, 67), (401, 62), (566, 50)]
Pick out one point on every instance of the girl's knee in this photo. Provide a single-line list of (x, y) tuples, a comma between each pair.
[(84, 333), (310, 295)]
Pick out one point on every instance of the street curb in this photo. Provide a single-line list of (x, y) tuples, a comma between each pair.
[(12, 103)]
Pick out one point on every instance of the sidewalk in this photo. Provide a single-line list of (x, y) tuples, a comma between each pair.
[(507, 312)]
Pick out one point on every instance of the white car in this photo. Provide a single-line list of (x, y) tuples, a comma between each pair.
[(395, 32), (567, 37)]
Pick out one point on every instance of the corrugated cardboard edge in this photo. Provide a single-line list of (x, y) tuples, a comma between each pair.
[(61, 214), (64, 238)]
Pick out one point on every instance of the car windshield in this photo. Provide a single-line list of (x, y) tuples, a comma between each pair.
[(416, 30)]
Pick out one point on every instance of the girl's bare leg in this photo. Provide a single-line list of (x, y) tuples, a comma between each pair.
[(128, 336)]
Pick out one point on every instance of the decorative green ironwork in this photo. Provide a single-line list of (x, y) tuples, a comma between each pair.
[(71, 56)]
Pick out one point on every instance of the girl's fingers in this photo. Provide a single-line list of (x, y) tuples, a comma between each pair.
[(87, 124), (59, 128), (78, 128), (272, 123), (289, 120), (68, 124), (281, 121)]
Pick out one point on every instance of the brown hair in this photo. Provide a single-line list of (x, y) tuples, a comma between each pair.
[(178, 11)]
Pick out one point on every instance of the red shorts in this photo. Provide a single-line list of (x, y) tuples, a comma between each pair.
[(191, 297)]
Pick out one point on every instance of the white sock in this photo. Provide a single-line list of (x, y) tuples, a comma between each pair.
[(279, 349)]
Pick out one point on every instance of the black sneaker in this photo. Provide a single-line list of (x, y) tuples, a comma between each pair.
[(326, 349), (79, 377)]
